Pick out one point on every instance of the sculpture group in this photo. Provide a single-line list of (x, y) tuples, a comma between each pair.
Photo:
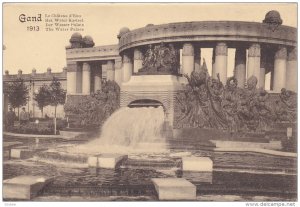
[(207, 103), (161, 59)]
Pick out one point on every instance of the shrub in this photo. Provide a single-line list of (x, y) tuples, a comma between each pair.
[(94, 109), (60, 124), (32, 128)]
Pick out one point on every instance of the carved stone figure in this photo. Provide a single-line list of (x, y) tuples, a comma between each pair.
[(161, 59), (207, 103)]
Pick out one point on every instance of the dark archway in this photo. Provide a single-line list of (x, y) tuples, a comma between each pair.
[(145, 103)]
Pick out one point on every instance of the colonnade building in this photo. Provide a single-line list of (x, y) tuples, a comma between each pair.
[(260, 48)]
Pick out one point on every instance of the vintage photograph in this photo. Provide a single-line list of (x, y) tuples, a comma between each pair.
[(149, 102)]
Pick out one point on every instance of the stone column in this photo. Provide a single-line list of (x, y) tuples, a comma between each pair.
[(86, 78), (137, 60), (254, 61), (197, 58), (71, 77), (97, 78), (188, 63), (240, 66), (262, 74), (118, 71), (127, 68), (79, 79), (110, 70), (221, 62), (291, 70), (280, 69)]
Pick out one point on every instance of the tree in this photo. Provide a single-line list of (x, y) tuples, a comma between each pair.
[(57, 96), (42, 98), (17, 93)]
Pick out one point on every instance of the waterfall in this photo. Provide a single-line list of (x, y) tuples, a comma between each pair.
[(130, 130)]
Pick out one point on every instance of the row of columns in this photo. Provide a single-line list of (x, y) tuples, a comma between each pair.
[(79, 76), (284, 73)]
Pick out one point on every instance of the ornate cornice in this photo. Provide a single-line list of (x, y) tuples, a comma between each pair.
[(209, 31)]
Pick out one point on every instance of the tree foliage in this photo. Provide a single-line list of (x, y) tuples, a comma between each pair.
[(42, 98), (94, 109), (57, 93), (17, 93)]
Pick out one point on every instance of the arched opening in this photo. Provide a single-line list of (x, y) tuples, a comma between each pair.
[(145, 103)]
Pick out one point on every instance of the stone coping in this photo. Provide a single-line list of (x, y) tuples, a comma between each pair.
[(34, 136), (263, 151), (236, 31)]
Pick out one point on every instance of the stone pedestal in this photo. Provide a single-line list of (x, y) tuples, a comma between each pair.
[(127, 68), (188, 63), (86, 78), (71, 78), (197, 164), (110, 70), (280, 69), (21, 153), (291, 70), (198, 177), (174, 189), (240, 66), (109, 161), (24, 187), (221, 62), (254, 61), (137, 60)]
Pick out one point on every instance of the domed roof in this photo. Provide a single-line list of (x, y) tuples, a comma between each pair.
[(124, 30), (273, 17), (149, 25), (88, 41), (76, 37)]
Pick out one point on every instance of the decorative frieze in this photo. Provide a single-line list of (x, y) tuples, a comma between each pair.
[(188, 49), (292, 55), (137, 54), (281, 53), (126, 59), (72, 67), (86, 67), (254, 50), (110, 65), (221, 49)]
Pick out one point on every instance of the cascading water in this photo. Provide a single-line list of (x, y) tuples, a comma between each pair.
[(130, 130)]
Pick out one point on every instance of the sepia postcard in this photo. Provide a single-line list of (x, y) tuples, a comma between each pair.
[(193, 102)]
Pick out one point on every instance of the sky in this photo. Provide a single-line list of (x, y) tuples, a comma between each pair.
[(26, 50)]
